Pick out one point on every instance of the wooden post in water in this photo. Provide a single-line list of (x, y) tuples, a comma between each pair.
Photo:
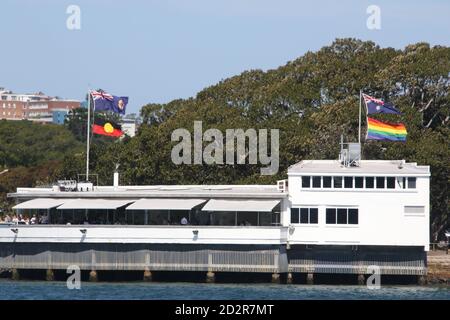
[(210, 277), (361, 279), (310, 278), (275, 278), (93, 277), (15, 275), (289, 278), (147, 275), (49, 275)]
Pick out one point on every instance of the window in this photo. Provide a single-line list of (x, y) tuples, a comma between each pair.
[(342, 216), (369, 182), (306, 182), (359, 182), (390, 182), (314, 215), (331, 216), (380, 182), (294, 215), (348, 182), (327, 182), (305, 215), (411, 182), (337, 182), (316, 182), (352, 216)]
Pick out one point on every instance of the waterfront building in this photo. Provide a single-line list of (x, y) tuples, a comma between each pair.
[(328, 216)]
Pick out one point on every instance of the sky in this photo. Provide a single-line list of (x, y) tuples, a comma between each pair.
[(156, 51)]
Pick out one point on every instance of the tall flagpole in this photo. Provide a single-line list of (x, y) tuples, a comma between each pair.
[(359, 129), (88, 134)]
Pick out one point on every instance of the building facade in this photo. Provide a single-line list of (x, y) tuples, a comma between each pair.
[(325, 218), (34, 107)]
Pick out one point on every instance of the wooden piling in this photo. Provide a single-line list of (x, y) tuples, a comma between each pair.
[(210, 277), (147, 275), (289, 278), (93, 277), (49, 275), (15, 274), (310, 278)]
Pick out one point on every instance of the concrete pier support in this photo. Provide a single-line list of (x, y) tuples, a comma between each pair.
[(310, 278), (147, 275), (275, 278), (15, 275), (93, 277), (422, 280), (49, 275), (361, 279), (210, 277), (289, 278)]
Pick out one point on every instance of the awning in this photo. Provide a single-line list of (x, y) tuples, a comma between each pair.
[(40, 203), (261, 205), (165, 204), (94, 204)]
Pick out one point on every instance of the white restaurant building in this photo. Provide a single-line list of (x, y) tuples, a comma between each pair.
[(327, 217)]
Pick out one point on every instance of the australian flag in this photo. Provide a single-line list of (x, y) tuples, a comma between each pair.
[(379, 106), (104, 101)]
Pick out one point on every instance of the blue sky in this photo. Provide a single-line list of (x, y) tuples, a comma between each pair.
[(156, 51)]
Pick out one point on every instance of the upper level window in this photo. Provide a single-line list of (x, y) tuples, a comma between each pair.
[(337, 182), (411, 182), (348, 182), (390, 182), (359, 182), (326, 182), (370, 182), (316, 181), (306, 182), (380, 182)]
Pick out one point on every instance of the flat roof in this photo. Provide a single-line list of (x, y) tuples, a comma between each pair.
[(391, 167), (160, 191)]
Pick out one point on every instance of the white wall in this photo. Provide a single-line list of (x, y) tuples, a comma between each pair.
[(143, 234), (382, 220)]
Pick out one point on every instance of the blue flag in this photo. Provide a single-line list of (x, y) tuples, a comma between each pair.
[(379, 106), (106, 102)]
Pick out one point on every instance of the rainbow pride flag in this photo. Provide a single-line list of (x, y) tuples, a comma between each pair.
[(377, 130)]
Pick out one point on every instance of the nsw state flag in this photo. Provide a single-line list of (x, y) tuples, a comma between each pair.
[(107, 128), (104, 101), (379, 106)]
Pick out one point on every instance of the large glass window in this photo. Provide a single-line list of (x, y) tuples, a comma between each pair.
[(331, 216), (295, 215), (316, 181), (306, 182), (411, 182), (337, 182), (348, 182), (359, 182), (380, 182), (342, 216), (247, 218), (327, 182), (369, 182), (304, 215), (390, 182)]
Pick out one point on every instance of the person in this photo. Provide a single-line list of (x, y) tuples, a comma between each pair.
[(184, 221), (7, 218), (33, 219)]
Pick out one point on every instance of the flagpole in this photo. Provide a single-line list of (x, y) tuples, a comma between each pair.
[(359, 129), (88, 134)]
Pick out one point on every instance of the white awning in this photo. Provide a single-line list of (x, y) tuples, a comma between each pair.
[(40, 203), (94, 204), (165, 204), (261, 205)]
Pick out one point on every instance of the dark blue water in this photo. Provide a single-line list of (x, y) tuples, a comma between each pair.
[(11, 290)]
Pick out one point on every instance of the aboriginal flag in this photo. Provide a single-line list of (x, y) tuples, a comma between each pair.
[(107, 128)]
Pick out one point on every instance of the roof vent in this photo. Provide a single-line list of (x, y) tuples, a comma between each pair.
[(350, 155)]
